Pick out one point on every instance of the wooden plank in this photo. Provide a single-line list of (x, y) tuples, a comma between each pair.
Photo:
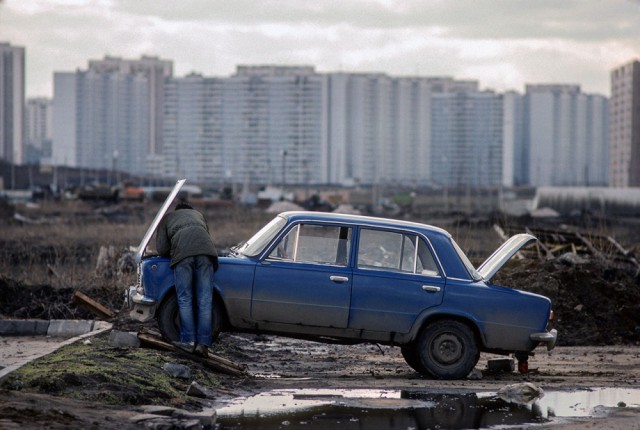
[(94, 307), (213, 361)]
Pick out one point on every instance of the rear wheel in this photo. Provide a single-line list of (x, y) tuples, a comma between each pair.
[(168, 317), (447, 349)]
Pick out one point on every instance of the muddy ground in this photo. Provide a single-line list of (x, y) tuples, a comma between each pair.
[(95, 385)]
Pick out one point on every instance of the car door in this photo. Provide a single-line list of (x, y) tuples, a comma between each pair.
[(396, 277), (306, 278)]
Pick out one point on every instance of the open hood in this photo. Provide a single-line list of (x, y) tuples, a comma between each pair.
[(154, 225), (501, 255)]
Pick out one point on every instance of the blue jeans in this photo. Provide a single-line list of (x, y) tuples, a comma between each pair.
[(194, 276)]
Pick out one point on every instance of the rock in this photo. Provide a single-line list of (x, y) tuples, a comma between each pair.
[(571, 259), (206, 417), (475, 375), (196, 390), (522, 394), (125, 339), (166, 411), (177, 370)]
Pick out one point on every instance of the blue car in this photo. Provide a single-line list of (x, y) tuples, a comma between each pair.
[(351, 279)]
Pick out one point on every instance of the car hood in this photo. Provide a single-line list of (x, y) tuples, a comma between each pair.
[(501, 255), (154, 225)]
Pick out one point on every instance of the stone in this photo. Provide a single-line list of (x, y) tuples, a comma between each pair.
[(177, 370), (127, 339)]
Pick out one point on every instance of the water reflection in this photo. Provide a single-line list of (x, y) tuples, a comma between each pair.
[(406, 409)]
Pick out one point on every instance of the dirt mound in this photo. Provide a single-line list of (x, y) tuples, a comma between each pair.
[(18, 300), (593, 304)]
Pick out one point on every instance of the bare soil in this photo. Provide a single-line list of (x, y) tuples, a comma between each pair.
[(597, 310)]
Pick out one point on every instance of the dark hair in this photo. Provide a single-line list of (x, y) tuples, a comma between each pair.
[(183, 205)]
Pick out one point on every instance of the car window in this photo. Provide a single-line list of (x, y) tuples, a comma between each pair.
[(399, 252), (259, 240), (312, 243)]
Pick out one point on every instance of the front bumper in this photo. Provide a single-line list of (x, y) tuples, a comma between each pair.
[(142, 307), (548, 337)]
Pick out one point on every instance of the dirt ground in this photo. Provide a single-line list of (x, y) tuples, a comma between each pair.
[(597, 309), (281, 363)]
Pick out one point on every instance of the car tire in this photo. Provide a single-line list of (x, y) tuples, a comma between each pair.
[(447, 349), (410, 355), (168, 318)]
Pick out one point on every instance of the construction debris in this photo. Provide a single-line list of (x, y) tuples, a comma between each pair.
[(92, 306), (554, 243), (214, 362)]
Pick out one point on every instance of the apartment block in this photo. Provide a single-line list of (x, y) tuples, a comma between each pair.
[(110, 115), (624, 123), (566, 136), (466, 139), (263, 125), (38, 130), (12, 96)]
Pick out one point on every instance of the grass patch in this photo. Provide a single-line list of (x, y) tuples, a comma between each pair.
[(103, 373)]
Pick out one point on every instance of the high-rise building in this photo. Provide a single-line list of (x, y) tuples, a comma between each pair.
[(359, 128), (12, 103), (110, 116), (624, 123), (275, 125), (193, 143), (263, 125), (38, 130), (155, 70), (101, 120), (566, 136), (515, 155), (466, 138)]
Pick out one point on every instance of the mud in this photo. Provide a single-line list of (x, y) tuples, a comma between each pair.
[(597, 314)]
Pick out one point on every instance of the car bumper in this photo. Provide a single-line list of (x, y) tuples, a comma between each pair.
[(548, 337), (142, 308)]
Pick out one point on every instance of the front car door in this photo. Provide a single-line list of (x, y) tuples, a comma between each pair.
[(395, 279), (306, 278)]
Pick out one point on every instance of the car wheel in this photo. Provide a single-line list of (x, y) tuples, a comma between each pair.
[(168, 317), (410, 355), (448, 349)]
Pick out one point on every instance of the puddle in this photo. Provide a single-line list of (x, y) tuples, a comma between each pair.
[(409, 409)]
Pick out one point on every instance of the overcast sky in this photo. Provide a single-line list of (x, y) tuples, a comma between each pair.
[(504, 44)]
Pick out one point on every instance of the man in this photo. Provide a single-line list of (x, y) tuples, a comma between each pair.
[(184, 236)]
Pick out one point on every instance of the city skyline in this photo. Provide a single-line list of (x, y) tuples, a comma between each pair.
[(503, 44)]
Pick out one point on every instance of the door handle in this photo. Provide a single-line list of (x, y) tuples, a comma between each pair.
[(431, 288), (339, 279)]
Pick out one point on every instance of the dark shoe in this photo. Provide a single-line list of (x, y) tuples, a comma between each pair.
[(185, 346), (202, 350)]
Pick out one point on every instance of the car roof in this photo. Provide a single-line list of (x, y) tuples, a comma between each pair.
[(362, 220)]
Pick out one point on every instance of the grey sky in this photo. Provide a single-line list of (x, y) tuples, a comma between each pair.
[(504, 44)]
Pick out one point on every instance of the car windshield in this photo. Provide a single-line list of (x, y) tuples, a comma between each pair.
[(258, 241), (472, 270)]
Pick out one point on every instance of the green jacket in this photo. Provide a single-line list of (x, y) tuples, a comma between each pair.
[(184, 233)]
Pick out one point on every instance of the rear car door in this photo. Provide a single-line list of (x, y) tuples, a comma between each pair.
[(395, 279), (306, 278)]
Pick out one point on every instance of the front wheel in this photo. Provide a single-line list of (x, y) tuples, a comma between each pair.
[(168, 317), (447, 349)]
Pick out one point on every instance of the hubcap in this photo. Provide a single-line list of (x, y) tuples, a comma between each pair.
[(446, 348)]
